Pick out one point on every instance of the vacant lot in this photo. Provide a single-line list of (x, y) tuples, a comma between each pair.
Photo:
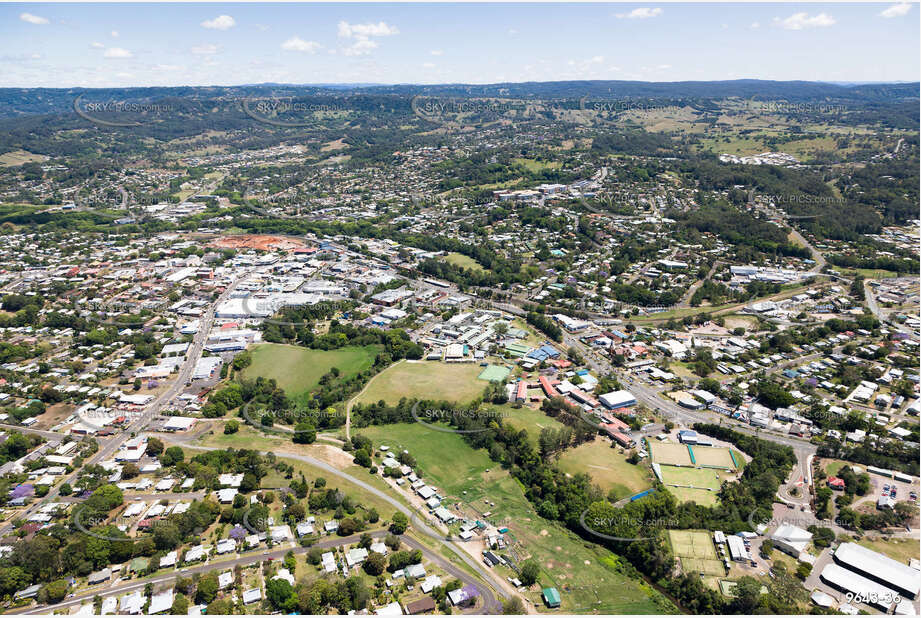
[(425, 379), (298, 370), (608, 468), (586, 575)]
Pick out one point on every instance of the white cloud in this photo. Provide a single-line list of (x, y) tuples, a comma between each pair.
[(347, 30), (206, 49), (33, 19), (512, 31), (115, 34), (428, 65), (300, 45), (802, 21), (362, 34), (437, 52), (755, 25), (118, 52), (896, 10), (596, 60), (640, 13), (97, 45), (221, 22), (361, 47)]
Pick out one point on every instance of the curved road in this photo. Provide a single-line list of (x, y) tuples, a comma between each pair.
[(491, 603), (259, 556)]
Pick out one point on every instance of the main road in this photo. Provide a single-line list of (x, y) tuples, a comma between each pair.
[(108, 448), (489, 601)]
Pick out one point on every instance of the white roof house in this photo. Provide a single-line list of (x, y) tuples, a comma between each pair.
[(225, 580), (791, 539), (356, 555), (391, 609), (195, 553), (230, 480), (161, 602), (280, 533), (132, 603)]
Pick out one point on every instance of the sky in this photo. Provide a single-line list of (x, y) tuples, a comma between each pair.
[(112, 45)]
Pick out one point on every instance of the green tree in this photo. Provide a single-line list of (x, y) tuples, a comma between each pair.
[(530, 571), (398, 523)]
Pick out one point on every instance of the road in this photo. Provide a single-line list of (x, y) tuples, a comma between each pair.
[(108, 448), (489, 601), (653, 399), (48, 435), (480, 569)]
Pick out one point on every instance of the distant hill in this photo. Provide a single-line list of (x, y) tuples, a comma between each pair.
[(17, 102)]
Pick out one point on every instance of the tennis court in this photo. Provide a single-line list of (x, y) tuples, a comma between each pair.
[(494, 373), (714, 456), (695, 551), (669, 453)]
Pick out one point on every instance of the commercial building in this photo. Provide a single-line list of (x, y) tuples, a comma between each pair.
[(879, 568), (617, 399), (791, 539)]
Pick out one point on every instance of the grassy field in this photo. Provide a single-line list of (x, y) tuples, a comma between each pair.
[(586, 576), (533, 165), (459, 259), (18, 157), (433, 380), (697, 477), (608, 468), (897, 549), (298, 370), (529, 419), (669, 453), (713, 456), (700, 496)]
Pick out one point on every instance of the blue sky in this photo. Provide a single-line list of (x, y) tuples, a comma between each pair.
[(101, 45)]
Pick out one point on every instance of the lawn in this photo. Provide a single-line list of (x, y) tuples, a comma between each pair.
[(713, 456), (18, 157), (897, 549), (425, 379), (298, 370), (704, 478), (700, 496), (529, 419), (586, 575), (608, 468), (459, 259), (533, 165), (669, 453)]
